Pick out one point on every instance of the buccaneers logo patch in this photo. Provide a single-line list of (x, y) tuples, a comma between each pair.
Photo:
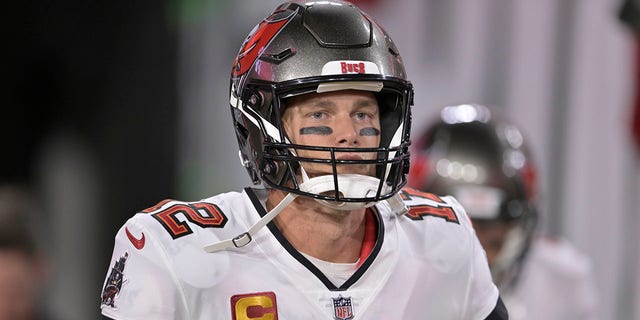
[(114, 282)]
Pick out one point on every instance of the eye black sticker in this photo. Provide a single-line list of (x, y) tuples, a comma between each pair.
[(369, 132), (324, 131)]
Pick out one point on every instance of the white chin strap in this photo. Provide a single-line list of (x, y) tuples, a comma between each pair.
[(350, 186)]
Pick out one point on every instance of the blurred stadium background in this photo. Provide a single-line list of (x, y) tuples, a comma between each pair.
[(112, 106)]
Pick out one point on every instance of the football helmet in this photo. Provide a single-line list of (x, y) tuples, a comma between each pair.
[(474, 154), (319, 46)]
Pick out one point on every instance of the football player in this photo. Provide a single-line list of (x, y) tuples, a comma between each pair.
[(475, 154), (320, 103)]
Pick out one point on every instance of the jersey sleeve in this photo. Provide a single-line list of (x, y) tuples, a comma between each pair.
[(140, 283), (483, 294)]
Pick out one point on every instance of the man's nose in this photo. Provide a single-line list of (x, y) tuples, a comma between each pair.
[(346, 131)]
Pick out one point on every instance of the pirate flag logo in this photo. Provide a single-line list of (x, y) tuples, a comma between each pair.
[(114, 282), (342, 308)]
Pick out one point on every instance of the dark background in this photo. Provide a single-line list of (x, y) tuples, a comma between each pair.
[(101, 72)]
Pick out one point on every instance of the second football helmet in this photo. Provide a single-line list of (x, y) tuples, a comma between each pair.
[(474, 154)]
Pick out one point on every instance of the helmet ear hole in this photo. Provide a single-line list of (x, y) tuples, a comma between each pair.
[(270, 167), (253, 98)]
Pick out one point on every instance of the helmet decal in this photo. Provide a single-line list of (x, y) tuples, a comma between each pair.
[(257, 40), (345, 67)]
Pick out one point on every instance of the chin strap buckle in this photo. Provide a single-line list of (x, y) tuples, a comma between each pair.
[(242, 240)]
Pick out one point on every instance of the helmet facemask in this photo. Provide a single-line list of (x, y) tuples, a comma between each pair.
[(282, 163)]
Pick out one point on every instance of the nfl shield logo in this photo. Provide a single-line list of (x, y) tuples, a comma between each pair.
[(342, 308)]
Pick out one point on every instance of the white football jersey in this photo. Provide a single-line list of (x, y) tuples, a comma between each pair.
[(425, 264), (556, 283)]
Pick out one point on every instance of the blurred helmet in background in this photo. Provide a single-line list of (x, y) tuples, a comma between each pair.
[(474, 154)]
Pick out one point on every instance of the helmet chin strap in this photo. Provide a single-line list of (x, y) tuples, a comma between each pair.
[(353, 186), (350, 186)]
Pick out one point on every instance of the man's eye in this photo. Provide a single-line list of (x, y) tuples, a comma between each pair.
[(361, 116), (317, 115)]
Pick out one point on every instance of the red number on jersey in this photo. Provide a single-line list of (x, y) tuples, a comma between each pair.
[(205, 215), (417, 212)]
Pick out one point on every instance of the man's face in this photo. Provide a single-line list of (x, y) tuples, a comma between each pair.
[(343, 119)]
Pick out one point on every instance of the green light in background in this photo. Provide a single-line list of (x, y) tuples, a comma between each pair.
[(195, 11)]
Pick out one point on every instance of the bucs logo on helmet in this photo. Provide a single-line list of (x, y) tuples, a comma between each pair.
[(257, 40), (114, 282)]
